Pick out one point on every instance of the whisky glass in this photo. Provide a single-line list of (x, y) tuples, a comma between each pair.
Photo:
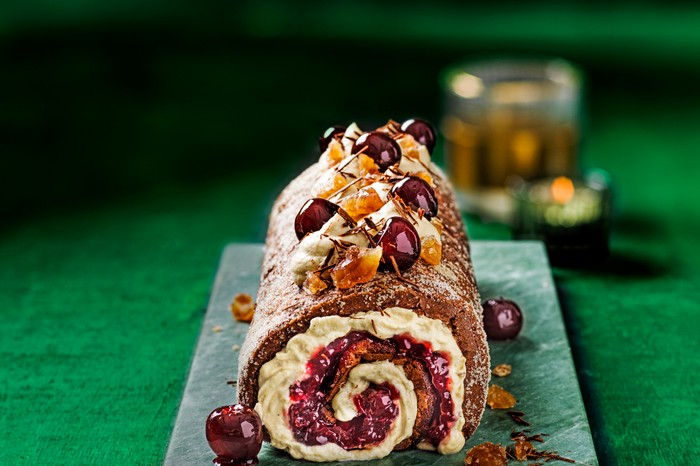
[(509, 117)]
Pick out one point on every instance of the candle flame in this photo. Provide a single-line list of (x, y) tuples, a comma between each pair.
[(562, 190)]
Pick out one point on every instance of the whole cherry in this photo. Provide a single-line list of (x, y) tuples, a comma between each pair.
[(331, 133), (503, 319), (400, 243), (235, 434), (313, 215), (418, 194), (380, 147), (421, 130)]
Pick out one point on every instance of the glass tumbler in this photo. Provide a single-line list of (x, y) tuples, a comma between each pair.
[(509, 117)]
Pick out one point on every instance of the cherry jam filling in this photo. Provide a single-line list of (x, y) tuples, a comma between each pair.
[(311, 416), (438, 367)]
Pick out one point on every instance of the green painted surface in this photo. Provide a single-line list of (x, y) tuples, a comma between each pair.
[(139, 140)]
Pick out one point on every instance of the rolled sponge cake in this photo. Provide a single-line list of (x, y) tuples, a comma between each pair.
[(403, 359)]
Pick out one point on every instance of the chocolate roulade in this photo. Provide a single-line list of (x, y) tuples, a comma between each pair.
[(363, 343)]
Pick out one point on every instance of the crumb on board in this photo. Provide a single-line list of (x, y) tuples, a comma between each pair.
[(498, 398), (502, 370), (243, 307), (486, 454)]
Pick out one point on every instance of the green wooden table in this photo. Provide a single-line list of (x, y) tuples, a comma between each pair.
[(131, 160)]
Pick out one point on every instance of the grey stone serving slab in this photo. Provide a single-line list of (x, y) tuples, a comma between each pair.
[(543, 378)]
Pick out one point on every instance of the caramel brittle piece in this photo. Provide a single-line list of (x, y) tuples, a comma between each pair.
[(486, 454), (523, 450), (334, 154), (332, 185), (409, 146), (243, 307), (367, 165), (363, 202), (502, 370), (437, 223), (498, 398), (431, 250), (359, 265), (314, 284)]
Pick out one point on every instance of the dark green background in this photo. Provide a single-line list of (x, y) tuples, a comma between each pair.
[(137, 138)]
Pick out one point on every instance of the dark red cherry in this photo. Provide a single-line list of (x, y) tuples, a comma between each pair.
[(328, 135), (421, 130), (417, 194), (503, 319), (235, 434), (381, 147), (399, 239), (313, 215)]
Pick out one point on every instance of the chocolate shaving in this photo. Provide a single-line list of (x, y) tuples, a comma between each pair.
[(403, 209), (364, 149), (533, 454), (322, 269), (426, 167), (352, 231), (552, 455), (393, 126), (327, 260), (370, 223), (409, 282), (400, 207), (517, 417), (353, 157), (347, 174), (523, 434), (524, 450), (346, 216), (374, 327), (395, 168), (398, 274), (396, 266), (233, 383), (371, 241), (286, 308), (340, 245)]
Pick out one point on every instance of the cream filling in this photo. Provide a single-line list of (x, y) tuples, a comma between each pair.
[(289, 366)]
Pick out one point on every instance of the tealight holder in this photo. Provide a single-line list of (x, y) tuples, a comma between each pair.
[(571, 216)]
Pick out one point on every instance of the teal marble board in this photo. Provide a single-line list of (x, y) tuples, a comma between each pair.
[(543, 378)]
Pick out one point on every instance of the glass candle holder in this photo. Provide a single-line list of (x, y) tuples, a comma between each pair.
[(571, 216), (504, 118)]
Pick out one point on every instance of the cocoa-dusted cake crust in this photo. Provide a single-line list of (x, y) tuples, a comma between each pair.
[(446, 292)]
